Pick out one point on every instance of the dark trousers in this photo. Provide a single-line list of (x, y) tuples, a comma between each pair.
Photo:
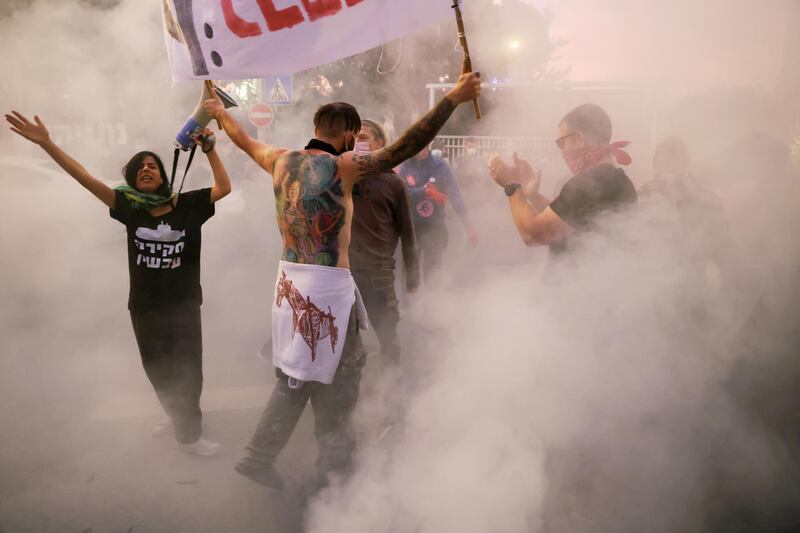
[(332, 404), (432, 242), (377, 290), (171, 346)]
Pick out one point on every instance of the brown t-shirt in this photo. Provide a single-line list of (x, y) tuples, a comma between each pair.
[(381, 216)]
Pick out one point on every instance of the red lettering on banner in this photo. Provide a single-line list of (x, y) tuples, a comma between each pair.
[(278, 19), (321, 8), (239, 26)]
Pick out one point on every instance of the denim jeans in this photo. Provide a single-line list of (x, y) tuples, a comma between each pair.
[(332, 404), (432, 242), (377, 290)]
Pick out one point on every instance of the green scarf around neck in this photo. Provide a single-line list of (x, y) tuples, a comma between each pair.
[(143, 200)]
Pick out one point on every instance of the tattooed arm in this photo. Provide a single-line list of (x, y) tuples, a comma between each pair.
[(353, 166), (262, 153)]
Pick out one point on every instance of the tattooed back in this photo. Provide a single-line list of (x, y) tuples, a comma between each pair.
[(313, 208)]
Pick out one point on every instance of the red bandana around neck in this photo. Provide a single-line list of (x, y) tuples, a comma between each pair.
[(580, 160)]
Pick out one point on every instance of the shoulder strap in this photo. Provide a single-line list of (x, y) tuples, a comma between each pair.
[(175, 157)]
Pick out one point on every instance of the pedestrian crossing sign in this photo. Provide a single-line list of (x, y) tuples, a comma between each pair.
[(278, 90)]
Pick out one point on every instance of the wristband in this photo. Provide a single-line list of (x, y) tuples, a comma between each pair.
[(207, 143), (511, 188)]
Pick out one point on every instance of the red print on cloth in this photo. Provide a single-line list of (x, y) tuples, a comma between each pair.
[(312, 322)]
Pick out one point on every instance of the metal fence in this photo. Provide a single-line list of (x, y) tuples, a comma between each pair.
[(542, 153)]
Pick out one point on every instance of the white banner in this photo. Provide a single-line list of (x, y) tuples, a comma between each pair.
[(239, 39)]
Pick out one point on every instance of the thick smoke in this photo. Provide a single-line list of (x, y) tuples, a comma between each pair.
[(77, 409), (647, 384), (599, 401)]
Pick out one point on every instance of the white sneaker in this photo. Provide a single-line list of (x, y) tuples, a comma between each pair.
[(201, 446)]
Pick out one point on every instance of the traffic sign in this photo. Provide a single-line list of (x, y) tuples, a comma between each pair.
[(278, 89), (261, 115)]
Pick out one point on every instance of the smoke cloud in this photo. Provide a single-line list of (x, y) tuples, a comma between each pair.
[(646, 384)]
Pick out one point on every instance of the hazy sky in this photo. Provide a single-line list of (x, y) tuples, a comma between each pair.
[(713, 42)]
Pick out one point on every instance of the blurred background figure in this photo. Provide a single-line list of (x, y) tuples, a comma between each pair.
[(470, 171), (693, 218), (673, 181), (431, 184)]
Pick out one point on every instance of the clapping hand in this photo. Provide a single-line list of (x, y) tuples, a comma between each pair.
[(502, 173), (520, 172), (529, 178)]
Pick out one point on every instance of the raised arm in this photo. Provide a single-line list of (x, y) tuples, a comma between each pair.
[(222, 182), (37, 133), (354, 166), (263, 154)]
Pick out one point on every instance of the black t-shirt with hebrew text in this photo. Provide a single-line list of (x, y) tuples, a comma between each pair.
[(164, 251)]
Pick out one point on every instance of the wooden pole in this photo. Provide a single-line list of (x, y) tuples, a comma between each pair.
[(467, 66)]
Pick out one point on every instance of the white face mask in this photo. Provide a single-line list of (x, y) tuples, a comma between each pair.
[(472, 151), (362, 147)]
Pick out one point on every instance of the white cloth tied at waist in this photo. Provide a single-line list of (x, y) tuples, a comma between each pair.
[(310, 315)]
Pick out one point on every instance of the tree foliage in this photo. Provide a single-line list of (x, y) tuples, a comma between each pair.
[(390, 79)]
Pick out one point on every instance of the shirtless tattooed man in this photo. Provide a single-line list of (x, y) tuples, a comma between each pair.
[(315, 296)]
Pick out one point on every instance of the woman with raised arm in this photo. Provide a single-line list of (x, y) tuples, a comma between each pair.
[(164, 263)]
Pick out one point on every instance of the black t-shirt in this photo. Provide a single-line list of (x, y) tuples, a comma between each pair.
[(589, 194), (164, 251)]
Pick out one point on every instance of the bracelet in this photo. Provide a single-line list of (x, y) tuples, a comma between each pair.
[(208, 142), (511, 188)]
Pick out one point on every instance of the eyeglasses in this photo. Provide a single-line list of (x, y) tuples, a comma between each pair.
[(560, 140)]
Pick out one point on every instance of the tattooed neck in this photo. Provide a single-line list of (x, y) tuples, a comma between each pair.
[(413, 140)]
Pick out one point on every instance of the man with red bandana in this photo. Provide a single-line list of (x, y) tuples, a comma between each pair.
[(597, 186)]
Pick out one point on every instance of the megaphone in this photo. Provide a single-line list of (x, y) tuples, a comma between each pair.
[(200, 119)]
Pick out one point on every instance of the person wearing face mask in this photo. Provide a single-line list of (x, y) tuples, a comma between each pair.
[(431, 185), (381, 218), (316, 347), (597, 184), (164, 235), (469, 165)]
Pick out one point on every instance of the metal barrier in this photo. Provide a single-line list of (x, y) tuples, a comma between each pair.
[(542, 153)]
